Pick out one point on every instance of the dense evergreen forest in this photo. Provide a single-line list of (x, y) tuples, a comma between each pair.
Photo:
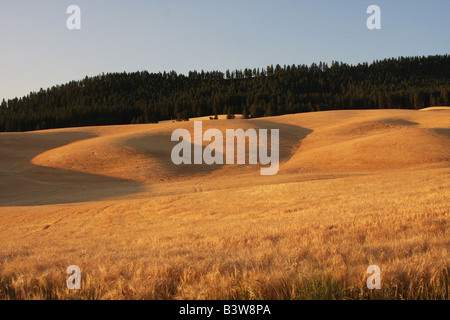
[(142, 97)]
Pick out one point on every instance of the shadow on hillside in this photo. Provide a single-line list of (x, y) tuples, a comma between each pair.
[(401, 122), (65, 187), (159, 147), (25, 184), (291, 137), (444, 131)]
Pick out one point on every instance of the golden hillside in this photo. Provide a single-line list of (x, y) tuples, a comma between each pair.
[(354, 188)]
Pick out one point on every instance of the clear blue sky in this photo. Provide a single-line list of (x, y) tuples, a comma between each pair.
[(37, 50)]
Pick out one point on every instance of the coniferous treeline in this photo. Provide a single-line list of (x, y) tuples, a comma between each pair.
[(142, 97)]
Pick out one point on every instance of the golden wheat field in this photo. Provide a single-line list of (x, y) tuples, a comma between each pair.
[(354, 189)]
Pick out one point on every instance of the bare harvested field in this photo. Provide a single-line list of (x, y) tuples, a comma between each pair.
[(354, 188)]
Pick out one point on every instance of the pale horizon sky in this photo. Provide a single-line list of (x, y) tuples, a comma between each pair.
[(38, 51)]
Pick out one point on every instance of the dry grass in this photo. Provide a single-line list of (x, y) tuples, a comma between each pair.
[(308, 233)]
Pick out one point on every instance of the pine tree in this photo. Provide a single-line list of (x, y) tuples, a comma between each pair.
[(230, 114), (245, 114)]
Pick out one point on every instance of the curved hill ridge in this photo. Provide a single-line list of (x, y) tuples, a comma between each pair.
[(323, 141)]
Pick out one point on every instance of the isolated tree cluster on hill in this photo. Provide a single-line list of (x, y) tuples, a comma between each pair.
[(142, 97)]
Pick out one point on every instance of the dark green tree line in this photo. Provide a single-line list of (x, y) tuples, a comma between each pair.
[(142, 97)]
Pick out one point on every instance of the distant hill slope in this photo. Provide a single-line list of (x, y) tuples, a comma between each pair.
[(319, 142), (122, 159)]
